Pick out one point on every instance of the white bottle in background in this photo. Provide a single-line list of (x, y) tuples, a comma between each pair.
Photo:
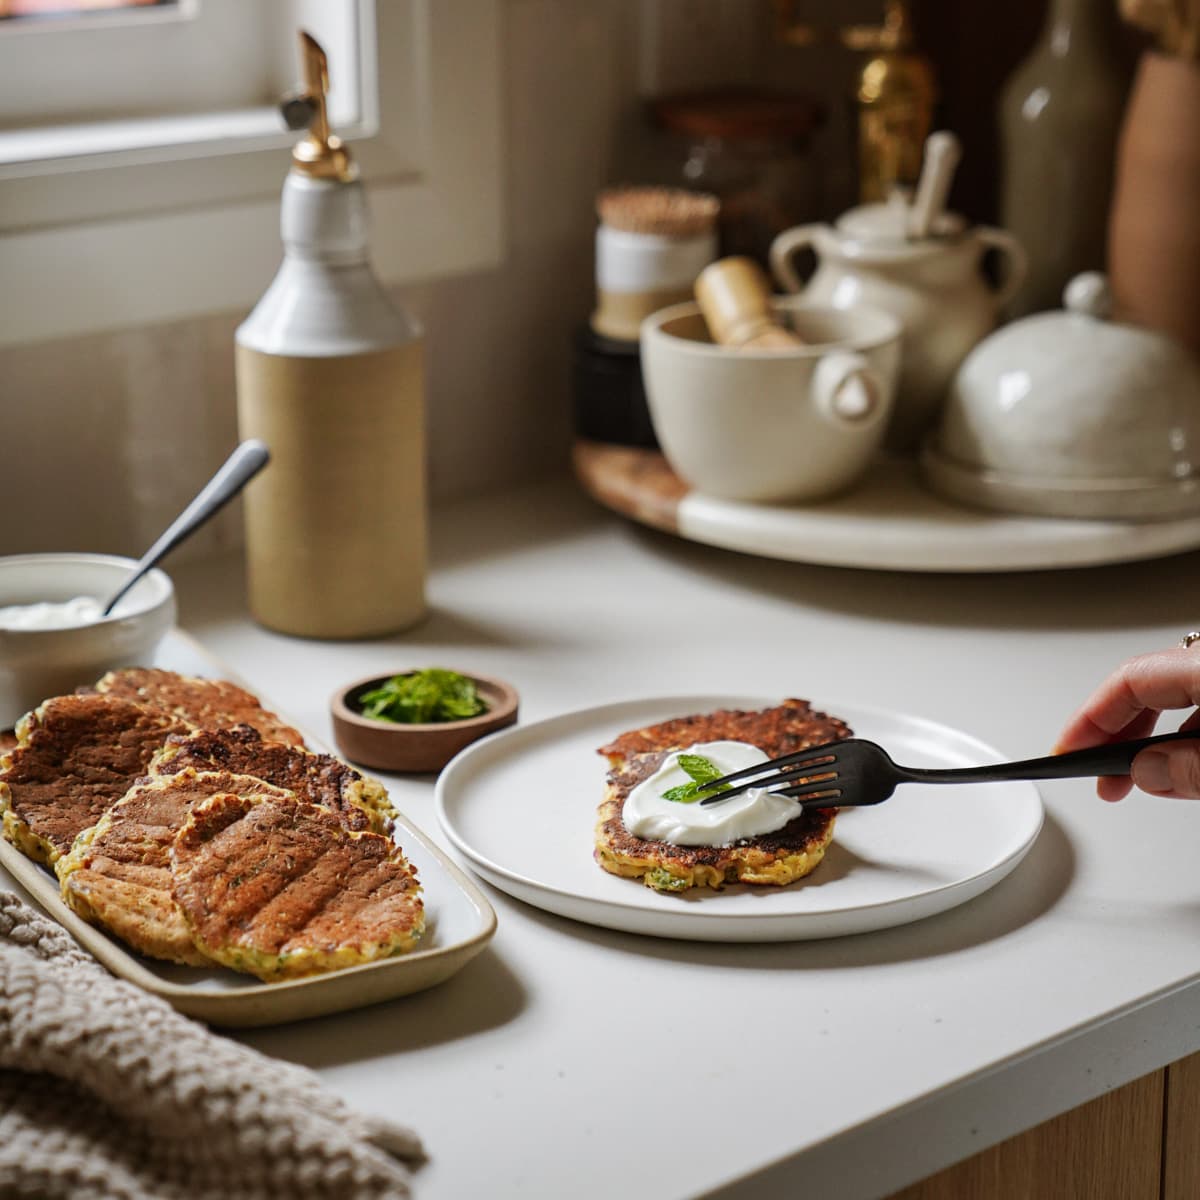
[(329, 375)]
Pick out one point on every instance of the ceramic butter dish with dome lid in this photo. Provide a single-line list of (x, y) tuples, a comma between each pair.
[(1069, 414)]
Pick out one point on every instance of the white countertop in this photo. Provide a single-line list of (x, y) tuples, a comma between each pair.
[(568, 1060)]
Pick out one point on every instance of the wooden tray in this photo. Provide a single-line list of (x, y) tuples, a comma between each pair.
[(460, 922), (889, 522)]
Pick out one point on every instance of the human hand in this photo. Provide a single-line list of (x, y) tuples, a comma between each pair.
[(1127, 705)]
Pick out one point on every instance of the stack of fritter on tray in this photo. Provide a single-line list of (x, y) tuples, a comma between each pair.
[(185, 818)]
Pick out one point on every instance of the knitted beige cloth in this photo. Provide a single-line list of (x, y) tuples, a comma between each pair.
[(106, 1091)]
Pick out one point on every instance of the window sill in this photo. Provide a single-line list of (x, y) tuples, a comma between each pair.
[(164, 242)]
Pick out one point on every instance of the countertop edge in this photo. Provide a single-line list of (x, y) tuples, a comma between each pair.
[(889, 1152)]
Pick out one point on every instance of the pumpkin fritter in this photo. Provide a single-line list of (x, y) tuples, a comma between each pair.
[(775, 858), (362, 803), (198, 703), (118, 873), (192, 823), (76, 755), (282, 890)]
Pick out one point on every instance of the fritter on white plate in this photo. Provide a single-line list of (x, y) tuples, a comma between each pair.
[(777, 858)]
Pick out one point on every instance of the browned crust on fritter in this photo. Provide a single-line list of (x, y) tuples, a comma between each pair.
[(807, 834), (281, 890), (118, 874), (637, 754), (361, 803), (791, 725), (78, 755), (199, 703)]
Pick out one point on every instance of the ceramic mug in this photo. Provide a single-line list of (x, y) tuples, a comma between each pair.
[(772, 425)]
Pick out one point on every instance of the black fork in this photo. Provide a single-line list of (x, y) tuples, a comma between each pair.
[(854, 773)]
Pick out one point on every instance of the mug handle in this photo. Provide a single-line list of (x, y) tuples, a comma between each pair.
[(845, 390), (784, 246), (1016, 261)]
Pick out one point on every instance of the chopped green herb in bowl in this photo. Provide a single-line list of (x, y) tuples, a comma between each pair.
[(424, 697), (416, 720)]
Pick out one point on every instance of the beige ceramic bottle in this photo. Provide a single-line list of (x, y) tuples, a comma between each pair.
[(329, 375)]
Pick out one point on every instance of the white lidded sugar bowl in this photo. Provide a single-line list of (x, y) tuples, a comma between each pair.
[(1069, 414), (934, 285)]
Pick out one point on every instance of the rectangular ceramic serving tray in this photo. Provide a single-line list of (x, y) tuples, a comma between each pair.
[(459, 924)]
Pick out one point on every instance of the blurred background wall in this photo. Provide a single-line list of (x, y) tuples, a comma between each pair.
[(105, 437)]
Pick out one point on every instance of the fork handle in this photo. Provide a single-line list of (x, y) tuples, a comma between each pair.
[(1111, 759)]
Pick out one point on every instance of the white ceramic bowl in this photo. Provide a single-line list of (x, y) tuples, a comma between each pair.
[(771, 426), (38, 663)]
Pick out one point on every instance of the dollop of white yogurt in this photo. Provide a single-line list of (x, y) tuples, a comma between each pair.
[(49, 614), (647, 815)]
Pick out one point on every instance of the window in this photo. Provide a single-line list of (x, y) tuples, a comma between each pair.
[(142, 152), (15, 9)]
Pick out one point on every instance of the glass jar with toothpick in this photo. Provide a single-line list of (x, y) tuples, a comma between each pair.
[(651, 243)]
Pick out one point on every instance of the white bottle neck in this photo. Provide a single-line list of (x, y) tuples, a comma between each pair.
[(324, 300), (324, 220)]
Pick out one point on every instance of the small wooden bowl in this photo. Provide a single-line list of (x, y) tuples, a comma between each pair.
[(405, 749)]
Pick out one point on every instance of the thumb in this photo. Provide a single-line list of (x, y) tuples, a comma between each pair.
[(1169, 770)]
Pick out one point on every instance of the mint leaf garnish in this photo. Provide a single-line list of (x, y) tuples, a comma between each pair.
[(703, 773), (701, 769)]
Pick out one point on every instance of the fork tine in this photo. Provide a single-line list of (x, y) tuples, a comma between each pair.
[(813, 755), (816, 790), (824, 774)]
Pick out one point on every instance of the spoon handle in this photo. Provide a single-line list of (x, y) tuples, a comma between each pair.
[(942, 152), (239, 468)]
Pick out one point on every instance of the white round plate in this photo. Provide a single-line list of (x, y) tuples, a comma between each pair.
[(521, 806)]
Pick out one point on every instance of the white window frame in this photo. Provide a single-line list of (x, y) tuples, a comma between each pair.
[(182, 217)]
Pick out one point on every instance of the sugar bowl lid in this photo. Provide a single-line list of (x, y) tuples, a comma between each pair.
[(888, 224), (1070, 414)]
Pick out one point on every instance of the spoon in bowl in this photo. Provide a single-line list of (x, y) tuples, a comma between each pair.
[(238, 469), (942, 152)]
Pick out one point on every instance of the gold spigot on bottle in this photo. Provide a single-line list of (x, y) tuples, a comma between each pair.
[(320, 153)]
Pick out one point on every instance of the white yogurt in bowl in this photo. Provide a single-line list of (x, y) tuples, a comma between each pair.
[(53, 637), (50, 614)]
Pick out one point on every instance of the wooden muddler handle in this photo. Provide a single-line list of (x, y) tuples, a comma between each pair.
[(735, 298)]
